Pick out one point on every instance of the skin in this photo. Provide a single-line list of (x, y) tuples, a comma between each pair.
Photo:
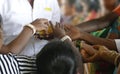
[(98, 24), (67, 10), (31, 2), (93, 54), (76, 34), (17, 45), (59, 32)]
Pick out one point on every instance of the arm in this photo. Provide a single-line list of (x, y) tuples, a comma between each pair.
[(17, 45), (98, 24), (95, 40), (76, 34)]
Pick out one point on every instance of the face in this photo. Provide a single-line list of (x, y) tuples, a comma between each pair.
[(65, 7), (110, 4)]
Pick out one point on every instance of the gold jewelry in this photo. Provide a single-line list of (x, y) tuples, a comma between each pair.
[(116, 59)]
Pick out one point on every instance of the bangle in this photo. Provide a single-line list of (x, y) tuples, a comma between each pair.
[(117, 10), (31, 27), (66, 37), (116, 60)]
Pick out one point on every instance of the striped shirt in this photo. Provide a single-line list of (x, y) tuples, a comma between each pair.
[(10, 64)]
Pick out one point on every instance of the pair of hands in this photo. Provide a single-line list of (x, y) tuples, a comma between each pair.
[(59, 29), (97, 53), (44, 25)]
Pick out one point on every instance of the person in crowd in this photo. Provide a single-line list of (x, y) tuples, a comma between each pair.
[(76, 34), (112, 44), (17, 13), (107, 6), (69, 12), (58, 57)]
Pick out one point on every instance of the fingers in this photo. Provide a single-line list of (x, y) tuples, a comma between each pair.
[(92, 58), (88, 48), (100, 47), (51, 25)]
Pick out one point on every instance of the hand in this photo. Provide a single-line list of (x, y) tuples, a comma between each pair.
[(97, 53), (72, 31), (58, 30), (40, 24), (88, 52)]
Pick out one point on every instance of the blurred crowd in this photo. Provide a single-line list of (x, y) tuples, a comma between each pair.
[(77, 11), (74, 12)]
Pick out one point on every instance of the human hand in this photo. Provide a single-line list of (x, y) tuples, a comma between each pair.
[(58, 30), (73, 32), (89, 54), (40, 24), (107, 55), (97, 53)]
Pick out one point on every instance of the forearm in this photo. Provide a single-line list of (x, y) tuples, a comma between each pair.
[(99, 41), (17, 45), (98, 24)]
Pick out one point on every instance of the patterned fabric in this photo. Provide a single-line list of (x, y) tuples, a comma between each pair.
[(10, 64), (112, 32)]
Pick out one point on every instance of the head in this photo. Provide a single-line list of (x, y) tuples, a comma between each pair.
[(57, 58), (68, 7), (107, 5)]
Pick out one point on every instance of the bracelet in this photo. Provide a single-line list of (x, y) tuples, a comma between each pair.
[(116, 59), (66, 37), (31, 27), (117, 10)]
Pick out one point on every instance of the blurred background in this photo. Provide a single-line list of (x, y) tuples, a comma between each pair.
[(77, 11)]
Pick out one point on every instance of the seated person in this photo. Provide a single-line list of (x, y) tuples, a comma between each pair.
[(57, 57)]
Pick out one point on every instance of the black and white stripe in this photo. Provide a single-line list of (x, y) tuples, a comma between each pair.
[(8, 65), (26, 64)]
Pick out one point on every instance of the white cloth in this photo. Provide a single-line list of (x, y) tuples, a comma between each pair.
[(17, 13), (117, 41)]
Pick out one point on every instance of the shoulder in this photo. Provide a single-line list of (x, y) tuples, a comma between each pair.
[(7, 58), (8, 64)]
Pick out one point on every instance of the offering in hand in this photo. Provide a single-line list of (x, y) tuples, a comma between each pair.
[(45, 34)]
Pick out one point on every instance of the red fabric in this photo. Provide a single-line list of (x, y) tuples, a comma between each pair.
[(117, 10)]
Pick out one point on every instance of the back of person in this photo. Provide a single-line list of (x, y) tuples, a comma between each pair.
[(57, 57)]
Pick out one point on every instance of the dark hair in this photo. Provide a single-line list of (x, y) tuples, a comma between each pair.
[(71, 2), (56, 58)]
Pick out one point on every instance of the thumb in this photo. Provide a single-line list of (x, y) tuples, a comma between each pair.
[(92, 58), (88, 48)]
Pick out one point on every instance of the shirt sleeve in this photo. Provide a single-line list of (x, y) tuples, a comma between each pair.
[(117, 41), (8, 64), (56, 12)]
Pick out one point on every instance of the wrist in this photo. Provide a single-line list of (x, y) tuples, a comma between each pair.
[(30, 26)]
